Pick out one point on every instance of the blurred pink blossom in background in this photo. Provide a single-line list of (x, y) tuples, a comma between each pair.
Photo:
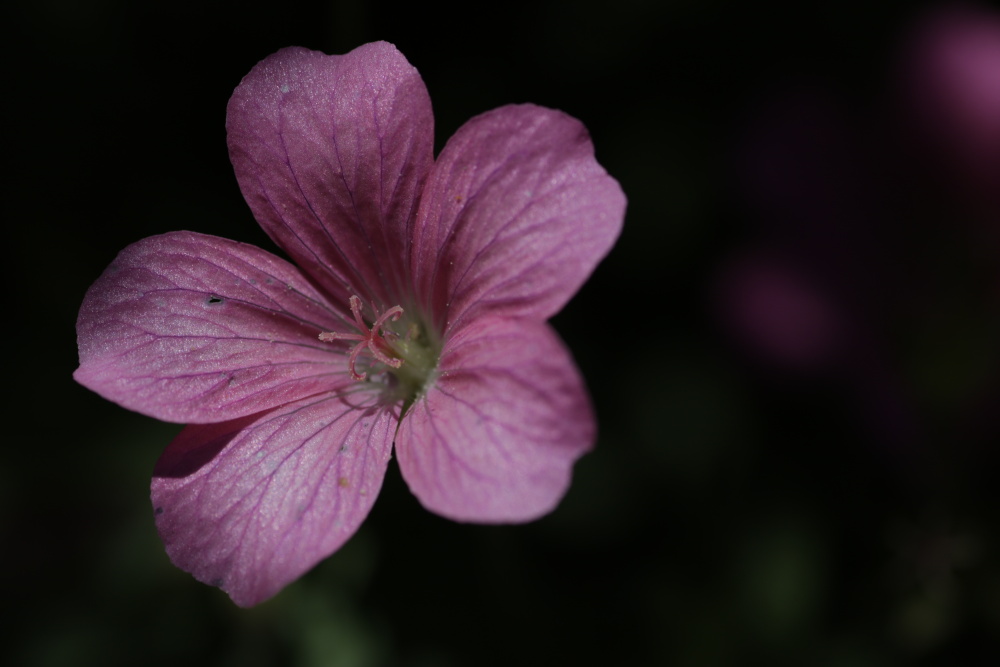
[(874, 232)]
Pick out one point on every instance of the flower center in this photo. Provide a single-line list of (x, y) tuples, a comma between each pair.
[(411, 357), (368, 338)]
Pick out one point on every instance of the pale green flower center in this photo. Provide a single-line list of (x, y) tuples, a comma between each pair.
[(399, 344)]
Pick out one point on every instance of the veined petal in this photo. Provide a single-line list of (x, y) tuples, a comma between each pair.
[(192, 328), (514, 218), (496, 435), (331, 153), (250, 505)]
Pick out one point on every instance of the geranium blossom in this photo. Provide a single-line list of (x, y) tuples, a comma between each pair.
[(414, 313)]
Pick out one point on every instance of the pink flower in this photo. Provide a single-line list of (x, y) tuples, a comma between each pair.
[(414, 313), (951, 77)]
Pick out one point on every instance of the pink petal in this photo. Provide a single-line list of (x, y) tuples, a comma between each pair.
[(331, 153), (515, 216), (497, 433), (250, 505), (192, 328)]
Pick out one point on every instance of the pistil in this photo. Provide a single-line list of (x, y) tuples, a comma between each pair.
[(369, 338)]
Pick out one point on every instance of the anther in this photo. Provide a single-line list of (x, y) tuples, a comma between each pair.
[(369, 338)]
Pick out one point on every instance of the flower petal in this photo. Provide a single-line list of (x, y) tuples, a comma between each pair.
[(250, 505), (515, 216), (186, 327), (331, 153), (497, 433)]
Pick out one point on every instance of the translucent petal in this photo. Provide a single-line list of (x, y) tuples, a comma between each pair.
[(331, 153), (193, 328), (250, 505), (514, 218), (495, 437)]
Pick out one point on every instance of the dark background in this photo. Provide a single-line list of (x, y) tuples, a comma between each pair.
[(770, 487)]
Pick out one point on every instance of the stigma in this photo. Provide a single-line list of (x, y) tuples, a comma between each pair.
[(373, 338)]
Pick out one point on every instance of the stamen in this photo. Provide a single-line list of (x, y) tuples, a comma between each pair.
[(369, 338)]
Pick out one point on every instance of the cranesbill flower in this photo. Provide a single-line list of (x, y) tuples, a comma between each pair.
[(415, 312)]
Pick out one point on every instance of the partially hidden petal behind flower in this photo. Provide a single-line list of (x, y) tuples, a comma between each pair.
[(331, 153), (192, 328), (495, 436), (250, 505), (514, 218)]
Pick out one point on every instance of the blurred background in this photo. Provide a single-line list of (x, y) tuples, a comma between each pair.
[(793, 349)]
